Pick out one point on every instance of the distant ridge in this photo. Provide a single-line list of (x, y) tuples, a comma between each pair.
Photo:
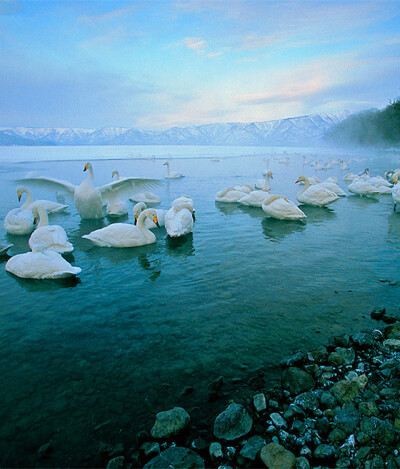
[(305, 130)]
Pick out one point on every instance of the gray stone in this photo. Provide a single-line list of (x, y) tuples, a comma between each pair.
[(307, 401), (215, 450), (116, 463), (345, 390), (369, 409), (337, 436), (328, 401), (347, 419), (297, 381), (347, 354), (392, 331), (363, 340), (251, 449), (302, 463), (177, 457), (385, 433), (259, 402), (275, 456), (170, 423), (318, 355), (324, 451), (150, 448), (232, 423), (278, 421), (393, 344)]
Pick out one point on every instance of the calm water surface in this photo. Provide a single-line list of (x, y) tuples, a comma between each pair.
[(90, 362)]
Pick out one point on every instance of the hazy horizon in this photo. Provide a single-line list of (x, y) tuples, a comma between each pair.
[(159, 64)]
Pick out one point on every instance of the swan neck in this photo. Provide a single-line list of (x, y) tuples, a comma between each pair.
[(43, 218), (141, 225), (29, 198), (271, 199)]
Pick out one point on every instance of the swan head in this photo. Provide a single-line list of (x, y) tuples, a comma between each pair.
[(87, 166), (21, 190), (138, 209), (301, 179), (151, 214), (166, 163), (269, 174), (115, 173)]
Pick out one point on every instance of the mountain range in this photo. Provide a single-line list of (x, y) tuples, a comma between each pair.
[(305, 130)]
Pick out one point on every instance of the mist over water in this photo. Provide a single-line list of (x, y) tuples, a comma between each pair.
[(94, 361)]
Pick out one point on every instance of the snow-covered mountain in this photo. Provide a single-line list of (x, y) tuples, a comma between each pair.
[(306, 130)]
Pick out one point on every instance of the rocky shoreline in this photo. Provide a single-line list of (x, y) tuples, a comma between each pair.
[(338, 406)]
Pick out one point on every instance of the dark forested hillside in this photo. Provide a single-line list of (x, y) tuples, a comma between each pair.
[(372, 128)]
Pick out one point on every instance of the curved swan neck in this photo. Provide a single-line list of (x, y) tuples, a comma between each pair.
[(141, 224), (138, 208), (29, 198), (89, 169), (167, 165), (116, 174), (43, 218), (271, 199)]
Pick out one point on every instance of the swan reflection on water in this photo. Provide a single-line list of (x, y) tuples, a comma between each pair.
[(394, 226), (318, 214), (276, 230), (228, 208), (46, 285), (181, 246)]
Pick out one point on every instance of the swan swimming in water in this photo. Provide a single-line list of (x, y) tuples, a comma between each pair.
[(277, 206), (396, 190), (264, 184), (90, 199), (41, 265), (179, 219), (315, 195), (230, 195), (125, 235), (361, 187), (30, 203), (254, 199), (19, 221), (172, 174), (51, 237)]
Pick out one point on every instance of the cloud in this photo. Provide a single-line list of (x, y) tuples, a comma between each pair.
[(195, 43), (108, 16)]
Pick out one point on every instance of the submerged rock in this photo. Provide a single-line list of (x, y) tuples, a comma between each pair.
[(176, 457), (296, 380), (275, 456)]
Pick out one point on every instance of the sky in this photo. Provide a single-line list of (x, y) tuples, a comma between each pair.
[(158, 64)]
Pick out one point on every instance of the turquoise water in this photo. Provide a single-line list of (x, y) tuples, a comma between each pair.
[(92, 361)]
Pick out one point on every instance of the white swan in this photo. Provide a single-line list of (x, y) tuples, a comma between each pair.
[(179, 220), (125, 235), (140, 207), (396, 190), (315, 195), (30, 203), (183, 200), (264, 184), (277, 206), (246, 188), (172, 174), (254, 199), (89, 199), (146, 197), (19, 221), (361, 187), (343, 165), (230, 195), (41, 265), (117, 205), (52, 237), (333, 187)]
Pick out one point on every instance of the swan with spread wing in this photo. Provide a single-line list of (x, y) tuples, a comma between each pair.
[(88, 198)]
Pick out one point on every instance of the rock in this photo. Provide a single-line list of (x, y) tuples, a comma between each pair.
[(385, 433), (297, 381), (347, 354), (150, 448), (393, 331), (259, 402), (369, 409), (177, 457), (170, 423), (215, 451), (378, 313), (302, 463), (275, 456), (363, 340), (293, 360), (324, 452), (278, 421), (337, 436), (345, 390), (232, 423), (307, 401), (116, 463), (393, 344), (347, 419), (217, 383), (199, 443), (250, 450), (328, 401), (318, 355)]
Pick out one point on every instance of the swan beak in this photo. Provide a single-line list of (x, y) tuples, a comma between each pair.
[(136, 217), (298, 180), (19, 197), (193, 216), (34, 220), (85, 167), (156, 221), (164, 163)]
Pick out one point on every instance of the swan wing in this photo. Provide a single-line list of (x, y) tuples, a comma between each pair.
[(120, 235), (127, 186), (49, 183)]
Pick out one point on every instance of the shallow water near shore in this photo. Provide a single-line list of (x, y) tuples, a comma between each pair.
[(93, 361)]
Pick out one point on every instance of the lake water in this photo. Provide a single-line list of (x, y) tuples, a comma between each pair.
[(92, 362)]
